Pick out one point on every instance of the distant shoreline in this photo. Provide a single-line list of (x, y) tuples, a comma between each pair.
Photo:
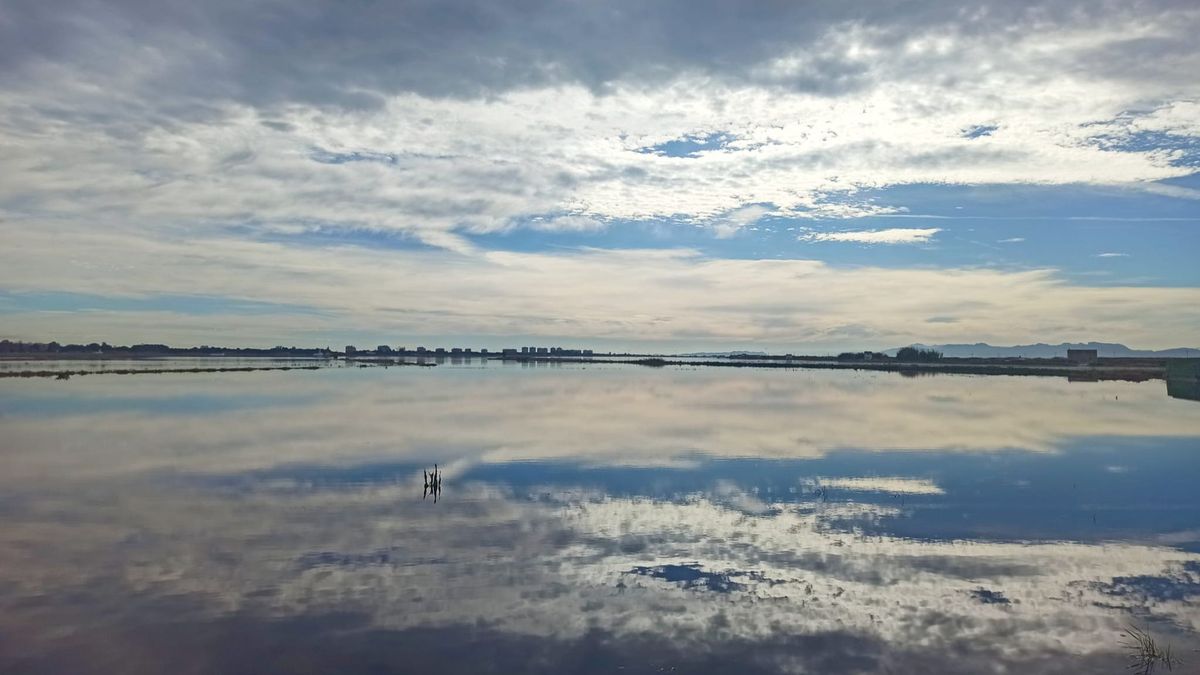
[(1133, 373), (67, 374), (1132, 369)]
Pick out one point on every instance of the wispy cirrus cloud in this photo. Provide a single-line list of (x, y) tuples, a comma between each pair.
[(896, 235)]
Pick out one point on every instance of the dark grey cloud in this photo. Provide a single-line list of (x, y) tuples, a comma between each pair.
[(350, 54)]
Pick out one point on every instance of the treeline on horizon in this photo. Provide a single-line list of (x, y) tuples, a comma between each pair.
[(905, 354), (16, 347)]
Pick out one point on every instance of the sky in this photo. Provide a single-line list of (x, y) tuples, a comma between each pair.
[(662, 176)]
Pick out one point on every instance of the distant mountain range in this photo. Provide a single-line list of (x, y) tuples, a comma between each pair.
[(1042, 350)]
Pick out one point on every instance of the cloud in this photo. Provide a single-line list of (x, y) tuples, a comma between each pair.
[(523, 545), (470, 117), (730, 223), (1112, 255), (235, 142), (313, 53), (891, 485), (590, 421), (898, 235), (566, 568), (672, 298), (567, 223), (1011, 240)]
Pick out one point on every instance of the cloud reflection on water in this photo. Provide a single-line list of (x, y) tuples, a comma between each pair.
[(607, 416), (562, 569), (287, 517)]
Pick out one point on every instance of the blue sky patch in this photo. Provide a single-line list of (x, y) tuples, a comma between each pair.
[(690, 145), (1066, 228), (979, 130), (327, 157), (1186, 147)]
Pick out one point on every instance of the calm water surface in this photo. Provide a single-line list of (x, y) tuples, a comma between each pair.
[(593, 519)]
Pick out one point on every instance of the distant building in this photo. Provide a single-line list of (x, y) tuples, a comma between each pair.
[(383, 349), (440, 350), (351, 350), (456, 351), (860, 356), (1183, 369), (543, 350), (1082, 356), (1183, 379)]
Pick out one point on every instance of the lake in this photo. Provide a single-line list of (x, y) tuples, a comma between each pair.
[(594, 518)]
